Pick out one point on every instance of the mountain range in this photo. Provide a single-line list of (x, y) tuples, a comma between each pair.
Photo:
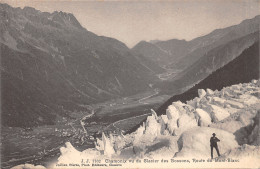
[(52, 65), (180, 54), (209, 62), (242, 69)]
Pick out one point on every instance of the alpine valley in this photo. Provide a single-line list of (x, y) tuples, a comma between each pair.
[(62, 85)]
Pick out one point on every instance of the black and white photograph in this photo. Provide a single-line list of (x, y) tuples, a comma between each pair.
[(129, 84)]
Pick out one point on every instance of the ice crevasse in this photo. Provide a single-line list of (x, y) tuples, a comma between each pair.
[(185, 129)]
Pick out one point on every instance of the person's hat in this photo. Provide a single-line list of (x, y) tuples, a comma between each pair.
[(213, 134)]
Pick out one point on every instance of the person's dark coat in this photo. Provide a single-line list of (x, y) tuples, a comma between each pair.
[(213, 141)]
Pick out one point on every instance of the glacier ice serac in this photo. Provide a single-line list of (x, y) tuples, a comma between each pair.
[(185, 129)]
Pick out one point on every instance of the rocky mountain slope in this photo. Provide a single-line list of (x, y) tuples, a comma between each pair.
[(175, 48), (200, 46), (51, 65), (212, 60), (242, 69), (180, 54), (153, 52), (151, 65)]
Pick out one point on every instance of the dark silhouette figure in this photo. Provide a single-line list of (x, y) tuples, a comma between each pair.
[(95, 136), (214, 144)]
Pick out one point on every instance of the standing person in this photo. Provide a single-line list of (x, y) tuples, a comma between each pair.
[(214, 144)]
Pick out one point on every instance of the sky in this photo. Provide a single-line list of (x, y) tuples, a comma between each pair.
[(134, 21)]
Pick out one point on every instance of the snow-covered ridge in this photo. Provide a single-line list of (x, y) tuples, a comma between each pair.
[(184, 131)]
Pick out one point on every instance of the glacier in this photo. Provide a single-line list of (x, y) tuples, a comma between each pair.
[(185, 129)]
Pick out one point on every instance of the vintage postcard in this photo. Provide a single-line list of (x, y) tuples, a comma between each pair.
[(130, 84)]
